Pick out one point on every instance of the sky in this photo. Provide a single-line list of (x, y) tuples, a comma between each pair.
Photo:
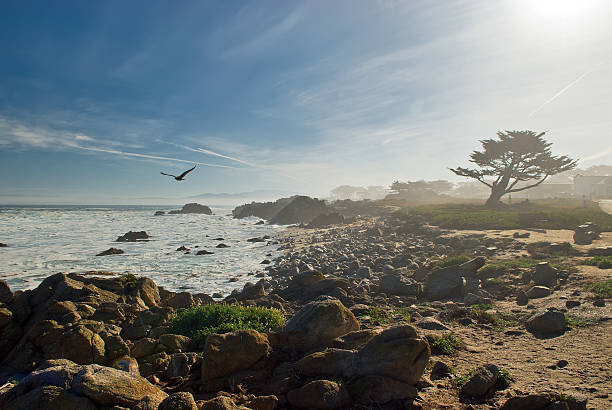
[(96, 98)]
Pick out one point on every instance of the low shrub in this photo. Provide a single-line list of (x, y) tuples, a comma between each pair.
[(130, 281), (602, 262), (601, 289), (447, 344), (200, 321)]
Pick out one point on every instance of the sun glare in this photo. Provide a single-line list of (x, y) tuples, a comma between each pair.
[(561, 9)]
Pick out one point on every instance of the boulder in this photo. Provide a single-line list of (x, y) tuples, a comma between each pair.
[(481, 380), (394, 284), (318, 323), (133, 237), (180, 364), (301, 209), (182, 300), (521, 298), (82, 346), (176, 343), (536, 292), (6, 317), (430, 323), (159, 213), (320, 394), (263, 403), (549, 322), (446, 283), (106, 386), (6, 295), (127, 364), (111, 251), (179, 401), (228, 353), (545, 275), (220, 403), (204, 252), (379, 389), (48, 398)]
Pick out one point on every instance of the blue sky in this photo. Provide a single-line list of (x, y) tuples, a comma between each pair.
[(97, 97)]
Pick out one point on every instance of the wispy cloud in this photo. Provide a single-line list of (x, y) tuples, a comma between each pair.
[(209, 152), (602, 154)]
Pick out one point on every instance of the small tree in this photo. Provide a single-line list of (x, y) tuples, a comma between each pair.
[(514, 157)]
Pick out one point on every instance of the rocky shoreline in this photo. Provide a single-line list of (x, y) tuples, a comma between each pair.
[(369, 306)]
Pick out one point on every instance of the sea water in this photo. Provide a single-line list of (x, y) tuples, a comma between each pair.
[(46, 240)]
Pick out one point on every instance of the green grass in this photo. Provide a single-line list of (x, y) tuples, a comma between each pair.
[(200, 321), (572, 322), (458, 381), (504, 378), (447, 344), (602, 262), (601, 289), (385, 316), (131, 281), (498, 320), (541, 214), (452, 261), (500, 267)]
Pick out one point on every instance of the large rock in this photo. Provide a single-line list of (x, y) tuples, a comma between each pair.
[(82, 346), (446, 283), (318, 323), (106, 386), (6, 295), (379, 389), (48, 398), (228, 353), (545, 275), (483, 379), (395, 284), (133, 237), (549, 322), (193, 208), (536, 292), (179, 401), (320, 394), (396, 352), (301, 209), (111, 251), (324, 220)]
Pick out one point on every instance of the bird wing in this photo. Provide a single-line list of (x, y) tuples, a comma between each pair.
[(170, 175), (186, 172)]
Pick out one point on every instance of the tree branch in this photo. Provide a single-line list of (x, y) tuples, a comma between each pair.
[(528, 186)]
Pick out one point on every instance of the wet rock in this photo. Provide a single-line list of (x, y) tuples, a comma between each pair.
[(549, 322), (3, 245), (222, 245), (159, 213), (111, 251), (483, 379), (320, 394), (133, 237), (255, 240), (6, 295), (179, 401), (204, 252), (182, 248), (318, 323), (227, 353)]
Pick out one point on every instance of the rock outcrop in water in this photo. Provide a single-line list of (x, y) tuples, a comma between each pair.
[(295, 210), (193, 208), (133, 237)]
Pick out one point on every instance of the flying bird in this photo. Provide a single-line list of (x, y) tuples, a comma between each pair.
[(180, 177)]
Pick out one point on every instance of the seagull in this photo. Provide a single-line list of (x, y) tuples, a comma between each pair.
[(180, 177)]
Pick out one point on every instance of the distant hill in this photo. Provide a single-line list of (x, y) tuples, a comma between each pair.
[(261, 195)]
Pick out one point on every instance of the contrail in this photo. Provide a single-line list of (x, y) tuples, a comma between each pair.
[(209, 152), (137, 155), (564, 89), (598, 155)]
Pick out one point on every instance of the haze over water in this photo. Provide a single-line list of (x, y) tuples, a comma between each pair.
[(44, 241)]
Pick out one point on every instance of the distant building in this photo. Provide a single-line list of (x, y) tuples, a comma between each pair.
[(543, 191), (599, 186)]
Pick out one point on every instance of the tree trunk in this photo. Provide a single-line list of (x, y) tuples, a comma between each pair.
[(494, 200)]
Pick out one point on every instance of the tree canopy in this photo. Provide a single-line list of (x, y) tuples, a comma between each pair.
[(514, 157)]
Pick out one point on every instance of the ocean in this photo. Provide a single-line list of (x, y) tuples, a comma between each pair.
[(46, 240)]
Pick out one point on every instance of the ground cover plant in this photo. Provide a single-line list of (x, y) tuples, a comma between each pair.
[(568, 214), (200, 321), (602, 262), (601, 289), (447, 344)]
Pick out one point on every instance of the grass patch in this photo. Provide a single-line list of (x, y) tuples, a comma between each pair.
[(200, 321), (458, 381), (447, 344), (572, 322), (384, 316), (500, 267), (541, 214), (131, 281), (601, 289), (452, 261), (602, 262)]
